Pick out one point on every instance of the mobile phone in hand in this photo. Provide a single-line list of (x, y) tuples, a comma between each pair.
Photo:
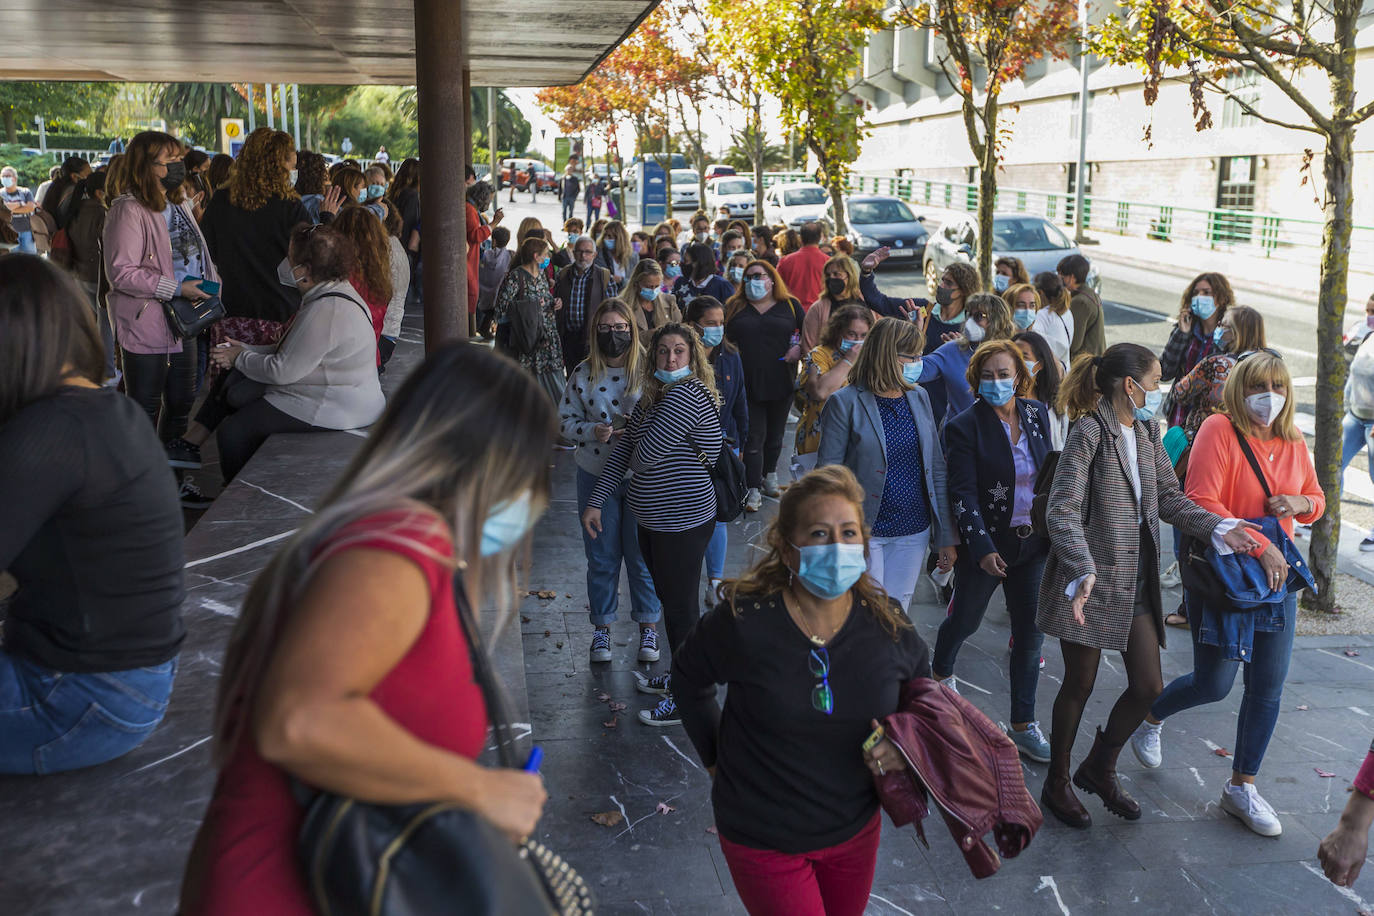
[(874, 739), (208, 287)]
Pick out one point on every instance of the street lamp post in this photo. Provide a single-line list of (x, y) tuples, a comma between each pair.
[(1079, 223)]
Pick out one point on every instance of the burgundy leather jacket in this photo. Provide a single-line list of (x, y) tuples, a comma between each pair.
[(958, 757)]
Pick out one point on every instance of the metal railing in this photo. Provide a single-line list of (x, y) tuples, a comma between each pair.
[(1250, 232)]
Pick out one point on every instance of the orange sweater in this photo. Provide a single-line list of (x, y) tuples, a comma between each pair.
[(1220, 479)]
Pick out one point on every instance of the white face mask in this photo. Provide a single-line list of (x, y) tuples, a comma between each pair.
[(973, 331), (1265, 406)]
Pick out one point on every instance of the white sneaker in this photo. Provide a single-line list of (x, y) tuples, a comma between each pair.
[(1145, 743), (1171, 577), (601, 645), (1368, 543), (949, 682), (648, 644), (753, 500), (1253, 811), (770, 485), (712, 594)]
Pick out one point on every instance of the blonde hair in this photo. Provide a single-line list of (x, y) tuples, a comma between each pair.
[(851, 278), (1014, 292), (615, 229), (1000, 325), (1261, 367), (699, 361), (876, 368), (596, 360), (643, 268), (771, 574)]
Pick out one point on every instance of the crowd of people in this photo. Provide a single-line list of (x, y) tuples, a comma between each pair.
[(988, 436)]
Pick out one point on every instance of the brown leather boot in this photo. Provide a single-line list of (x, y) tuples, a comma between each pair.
[(1097, 774), (1057, 798)]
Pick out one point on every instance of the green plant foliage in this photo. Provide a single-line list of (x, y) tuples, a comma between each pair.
[(33, 170), (53, 100)]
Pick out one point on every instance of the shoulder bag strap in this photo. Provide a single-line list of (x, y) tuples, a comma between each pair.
[(1254, 463), (498, 712), (366, 313)]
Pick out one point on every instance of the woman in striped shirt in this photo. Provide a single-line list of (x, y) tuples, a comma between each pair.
[(673, 435)]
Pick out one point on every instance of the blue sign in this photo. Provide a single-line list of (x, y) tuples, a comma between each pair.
[(653, 193)]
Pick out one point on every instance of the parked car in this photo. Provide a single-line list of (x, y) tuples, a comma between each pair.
[(686, 189), (731, 197), (717, 169), (1038, 243), (524, 172), (607, 174), (875, 221), (794, 203)]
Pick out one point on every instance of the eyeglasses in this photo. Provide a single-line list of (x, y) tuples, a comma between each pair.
[(604, 328), (822, 700)]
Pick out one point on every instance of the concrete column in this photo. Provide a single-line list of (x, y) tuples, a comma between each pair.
[(285, 125), (271, 107), (467, 116), (442, 101), (491, 136), (296, 112)]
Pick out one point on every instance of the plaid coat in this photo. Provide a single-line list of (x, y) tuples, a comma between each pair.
[(1109, 546)]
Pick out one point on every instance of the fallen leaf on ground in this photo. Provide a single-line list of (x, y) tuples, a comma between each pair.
[(558, 645), (617, 707), (546, 595), (712, 830), (664, 808), (1222, 752), (608, 818), (610, 724), (548, 633), (1304, 707), (602, 695), (1323, 774), (524, 619), (1351, 653), (567, 596)]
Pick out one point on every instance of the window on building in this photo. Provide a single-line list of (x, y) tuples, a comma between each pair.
[(1075, 112), (1236, 186), (1241, 84)]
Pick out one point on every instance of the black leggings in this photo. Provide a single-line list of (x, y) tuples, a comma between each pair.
[(245, 430), (767, 423), (1143, 684), (164, 385), (674, 560)]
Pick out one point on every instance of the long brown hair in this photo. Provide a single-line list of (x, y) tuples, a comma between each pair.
[(260, 173), (839, 322), (736, 303), (135, 175), (771, 574), (1222, 296), (368, 235), (1092, 378)]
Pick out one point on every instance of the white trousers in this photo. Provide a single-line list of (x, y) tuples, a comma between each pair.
[(897, 564)]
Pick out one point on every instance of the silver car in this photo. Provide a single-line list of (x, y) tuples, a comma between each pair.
[(1034, 240)]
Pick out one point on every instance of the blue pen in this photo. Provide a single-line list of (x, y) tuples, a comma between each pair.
[(535, 759)]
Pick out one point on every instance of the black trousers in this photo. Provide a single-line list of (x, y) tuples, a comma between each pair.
[(674, 559), (245, 430), (164, 385), (574, 349), (767, 423)]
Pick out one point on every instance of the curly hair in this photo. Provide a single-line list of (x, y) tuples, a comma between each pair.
[(839, 322), (310, 172), (771, 575), (365, 231), (262, 171)]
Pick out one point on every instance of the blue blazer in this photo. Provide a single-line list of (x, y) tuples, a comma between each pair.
[(982, 474), (852, 435), (734, 408)]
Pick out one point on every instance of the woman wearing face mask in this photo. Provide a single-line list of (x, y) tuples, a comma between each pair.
[(812, 653), (841, 278), (641, 244), (1008, 272), (707, 318), (527, 279), (352, 186), (733, 268), (613, 251), (1258, 400), (944, 372), (994, 451), (957, 284), (1100, 588), (765, 322), (671, 260), (675, 424), (699, 276), (881, 428), (825, 370), (644, 295), (764, 246), (1046, 379), (1204, 304), (348, 669), (1054, 320), (600, 396)]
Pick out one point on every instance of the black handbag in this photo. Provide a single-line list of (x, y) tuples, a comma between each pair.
[(525, 317), (1194, 565), (364, 859), (727, 479), (187, 319)]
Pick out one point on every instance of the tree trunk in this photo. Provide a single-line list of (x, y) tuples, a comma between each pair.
[(987, 194), (11, 128), (758, 161), (1331, 365), (835, 187), (700, 145)]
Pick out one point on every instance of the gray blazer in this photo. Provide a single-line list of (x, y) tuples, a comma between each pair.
[(1109, 546), (852, 435)]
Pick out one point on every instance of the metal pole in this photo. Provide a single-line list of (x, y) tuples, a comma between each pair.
[(271, 100), (281, 92), (491, 136), (440, 62), (296, 112), (1080, 177), (252, 107)]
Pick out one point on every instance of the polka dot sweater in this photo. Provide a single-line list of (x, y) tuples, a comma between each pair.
[(587, 402)]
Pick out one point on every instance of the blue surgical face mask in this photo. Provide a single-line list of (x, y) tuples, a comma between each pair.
[(1024, 318), (712, 336), (1218, 336), (544, 264), (7, 181), (735, 274), (756, 288), (375, 191), (672, 271), (572, 238), (668, 376), (1000, 282), (847, 345), (506, 525), (1030, 366), (997, 391), (649, 293), (1203, 307), (911, 372), (362, 196), (609, 243), (829, 570), (1152, 401)]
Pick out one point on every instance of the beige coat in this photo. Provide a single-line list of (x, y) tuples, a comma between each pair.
[(665, 311), (1109, 546)]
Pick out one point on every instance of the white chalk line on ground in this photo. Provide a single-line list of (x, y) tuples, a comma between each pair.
[(1345, 658), (289, 502), (668, 741), (246, 547), (1047, 881), (1345, 892), (187, 748)]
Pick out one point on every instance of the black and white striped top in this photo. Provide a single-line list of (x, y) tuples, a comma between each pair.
[(671, 490)]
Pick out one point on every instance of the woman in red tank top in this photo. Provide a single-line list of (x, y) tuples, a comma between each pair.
[(348, 670)]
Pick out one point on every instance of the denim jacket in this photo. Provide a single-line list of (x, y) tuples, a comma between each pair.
[(1254, 608)]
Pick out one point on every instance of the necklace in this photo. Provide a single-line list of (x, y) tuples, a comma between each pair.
[(801, 621)]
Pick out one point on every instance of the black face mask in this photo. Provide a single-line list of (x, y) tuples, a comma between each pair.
[(613, 343), (176, 174), (944, 295), (834, 286)]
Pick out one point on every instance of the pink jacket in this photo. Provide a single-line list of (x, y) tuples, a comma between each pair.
[(138, 261)]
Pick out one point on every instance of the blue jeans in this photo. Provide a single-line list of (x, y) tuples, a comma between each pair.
[(617, 543), (1355, 435), (569, 203), (26, 245), (53, 721), (973, 588), (1213, 675), (715, 551)]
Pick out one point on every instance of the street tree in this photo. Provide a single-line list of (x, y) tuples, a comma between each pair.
[(983, 45), (594, 106), (51, 99), (805, 54), (1296, 45)]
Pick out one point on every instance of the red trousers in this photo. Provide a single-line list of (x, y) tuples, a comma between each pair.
[(834, 881)]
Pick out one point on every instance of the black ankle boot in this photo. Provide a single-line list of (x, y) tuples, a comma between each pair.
[(1097, 775)]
